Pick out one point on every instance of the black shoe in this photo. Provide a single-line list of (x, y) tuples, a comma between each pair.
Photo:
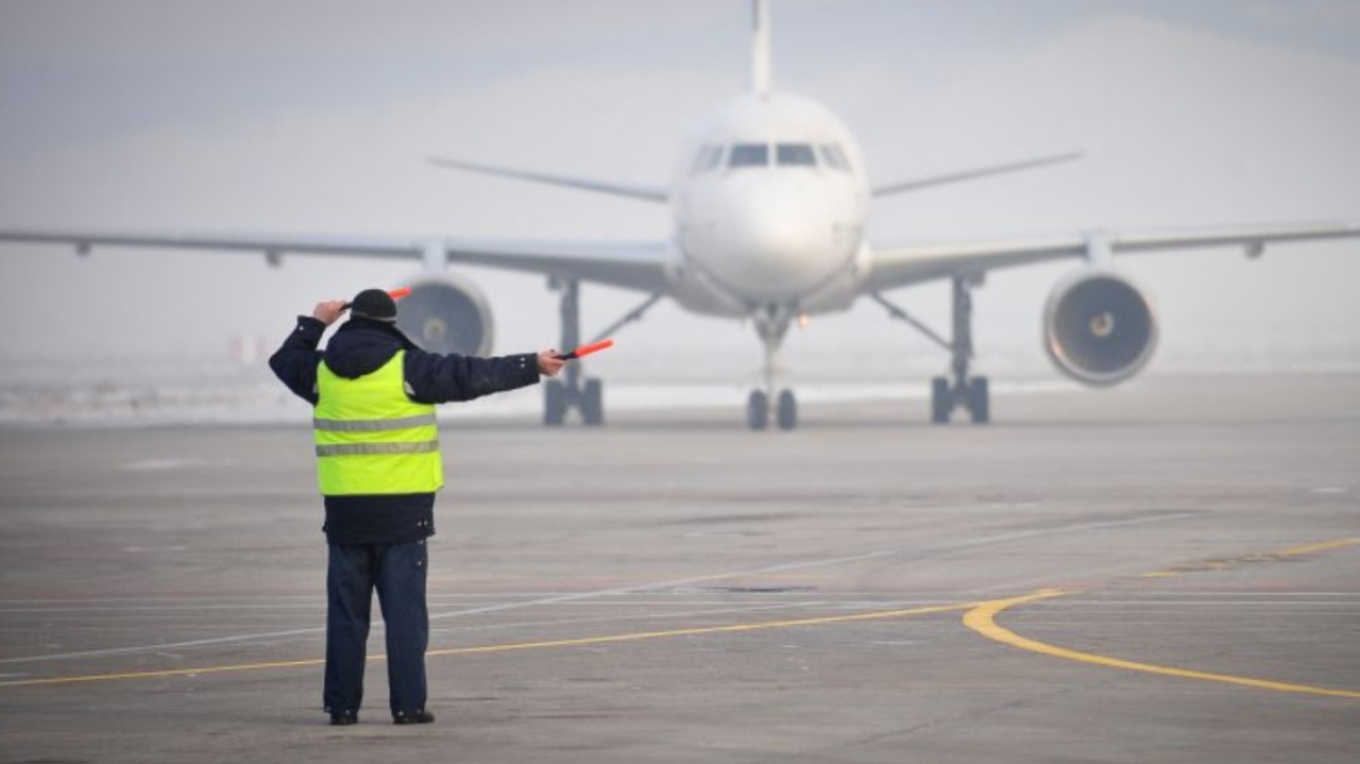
[(415, 717), (344, 719)]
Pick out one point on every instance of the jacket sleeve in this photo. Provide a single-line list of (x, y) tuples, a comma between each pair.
[(294, 363), (433, 378)]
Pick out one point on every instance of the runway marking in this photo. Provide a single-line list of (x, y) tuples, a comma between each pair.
[(1231, 563), (556, 600), (877, 615), (165, 673), (652, 616), (574, 597), (169, 612), (656, 586), (982, 619), (1324, 546), (508, 647), (674, 584)]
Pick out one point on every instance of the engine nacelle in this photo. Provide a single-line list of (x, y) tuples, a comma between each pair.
[(447, 314), (1099, 327)]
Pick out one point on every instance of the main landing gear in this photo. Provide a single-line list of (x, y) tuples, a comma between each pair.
[(561, 396), (958, 391), (572, 391), (772, 323)]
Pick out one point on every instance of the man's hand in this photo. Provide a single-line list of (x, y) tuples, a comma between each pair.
[(549, 363), (329, 311)]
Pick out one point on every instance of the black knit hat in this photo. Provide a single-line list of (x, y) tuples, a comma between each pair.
[(375, 304)]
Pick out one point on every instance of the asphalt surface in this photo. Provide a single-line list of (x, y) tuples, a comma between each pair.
[(1165, 572)]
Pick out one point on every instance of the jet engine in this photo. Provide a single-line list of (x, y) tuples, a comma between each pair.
[(447, 314), (1099, 328)]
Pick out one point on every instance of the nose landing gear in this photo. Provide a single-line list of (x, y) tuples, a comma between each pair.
[(772, 323), (786, 410), (758, 410)]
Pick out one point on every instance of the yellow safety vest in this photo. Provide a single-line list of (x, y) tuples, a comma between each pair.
[(372, 439)]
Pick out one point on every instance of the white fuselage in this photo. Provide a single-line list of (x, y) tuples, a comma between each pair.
[(770, 202)]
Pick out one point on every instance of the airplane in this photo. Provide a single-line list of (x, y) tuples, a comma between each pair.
[(770, 203)]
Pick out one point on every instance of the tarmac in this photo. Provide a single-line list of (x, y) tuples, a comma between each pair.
[(1164, 572)]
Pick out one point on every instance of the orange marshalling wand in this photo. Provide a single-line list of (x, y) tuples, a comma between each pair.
[(586, 350)]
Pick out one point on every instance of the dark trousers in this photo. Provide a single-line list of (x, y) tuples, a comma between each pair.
[(397, 572)]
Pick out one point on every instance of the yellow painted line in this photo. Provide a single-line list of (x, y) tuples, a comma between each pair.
[(1238, 561), (164, 673), (982, 619), (1320, 547), (579, 642), (876, 615)]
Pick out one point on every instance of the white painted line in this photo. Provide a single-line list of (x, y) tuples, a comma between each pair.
[(631, 617), (675, 584), (660, 585), (237, 638)]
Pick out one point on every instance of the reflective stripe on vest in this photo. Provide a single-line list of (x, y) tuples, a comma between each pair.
[(371, 438), (358, 425), (347, 449)]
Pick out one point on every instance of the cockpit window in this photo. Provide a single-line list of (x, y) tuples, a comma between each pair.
[(794, 154), (834, 156), (715, 154), (749, 155), (710, 156)]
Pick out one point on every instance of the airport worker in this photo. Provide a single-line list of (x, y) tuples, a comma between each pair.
[(379, 466)]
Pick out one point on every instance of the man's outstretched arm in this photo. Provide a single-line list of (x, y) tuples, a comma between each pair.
[(432, 378)]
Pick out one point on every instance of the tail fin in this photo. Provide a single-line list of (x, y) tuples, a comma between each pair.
[(760, 47)]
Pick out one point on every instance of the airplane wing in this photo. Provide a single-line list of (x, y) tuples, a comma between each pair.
[(629, 190), (631, 265), (905, 265), (974, 174)]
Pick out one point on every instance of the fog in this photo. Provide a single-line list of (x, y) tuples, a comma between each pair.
[(315, 117)]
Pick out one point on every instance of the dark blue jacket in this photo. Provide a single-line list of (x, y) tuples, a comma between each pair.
[(362, 346)]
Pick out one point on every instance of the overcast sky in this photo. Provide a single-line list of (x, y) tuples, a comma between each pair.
[(314, 117)]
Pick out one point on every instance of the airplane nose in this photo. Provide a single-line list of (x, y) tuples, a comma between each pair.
[(776, 240), (775, 223)]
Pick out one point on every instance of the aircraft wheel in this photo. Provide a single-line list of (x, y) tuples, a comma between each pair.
[(979, 404), (787, 411), (940, 400), (592, 403), (554, 403), (757, 410)]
